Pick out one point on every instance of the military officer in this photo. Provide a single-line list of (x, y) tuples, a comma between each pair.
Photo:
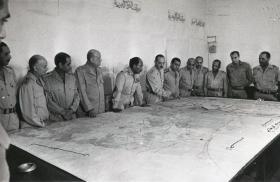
[(239, 75), (4, 139), (8, 89), (216, 81), (90, 86), (187, 78), (172, 78), (32, 99), (199, 76), (61, 89), (154, 82), (127, 89), (266, 78)]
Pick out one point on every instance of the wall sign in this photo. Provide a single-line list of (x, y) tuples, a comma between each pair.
[(197, 22), (127, 4), (176, 16)]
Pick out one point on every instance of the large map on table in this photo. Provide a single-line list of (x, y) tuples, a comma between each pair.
[(194, 139)]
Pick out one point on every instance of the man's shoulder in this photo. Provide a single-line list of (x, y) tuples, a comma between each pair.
[(230, 65), (82, 68), (274, 67), (166, 70), (153, 70), (223, 72), (257, 68), (204, 69), (27, 80), (245, 64)]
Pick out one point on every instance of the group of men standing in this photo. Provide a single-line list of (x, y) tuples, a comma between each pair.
[(195, 80), (61, 95)]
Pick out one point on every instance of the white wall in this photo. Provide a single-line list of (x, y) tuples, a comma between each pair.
[(249, 26), (48, 26)]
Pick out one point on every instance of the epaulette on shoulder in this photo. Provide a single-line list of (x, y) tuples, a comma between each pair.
[(275, 67), (257, 68), (26, 80)]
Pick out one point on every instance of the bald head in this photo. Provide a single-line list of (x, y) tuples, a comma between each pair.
[(94, 57), (190, 63), (38, 64)]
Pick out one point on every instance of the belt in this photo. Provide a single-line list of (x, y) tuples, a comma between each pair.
[(266, 91), (215, 89), (8, 110)]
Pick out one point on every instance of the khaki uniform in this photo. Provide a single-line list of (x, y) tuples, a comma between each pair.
[(60, 95), (91, 90), (32, 101), (154, 85), (216, 86), (266, 82), (239, 77), (4, 144), (8, 89), (171, 81), (127, 90), (186, 82), (198, 85)]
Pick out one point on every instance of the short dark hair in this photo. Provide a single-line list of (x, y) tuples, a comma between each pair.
[(199, 57), (34, 60), (61, 58), (266, 53), (189, 60), (89, 54), (134, 61), (175, 59), (3, 44), (219, 61), (158, 56), (234, 52)]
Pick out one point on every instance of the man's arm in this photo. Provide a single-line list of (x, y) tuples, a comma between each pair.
[(120, 80), (76, 99), (138, 94), (81, 83), (156, 86), (26, 102)]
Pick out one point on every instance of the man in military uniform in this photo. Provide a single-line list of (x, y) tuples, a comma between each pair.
[(61, 89), (8, 89), (127, 89), (32, 99), (239, 75), (172, 78), (216, 81), (187, 78), (199, 76), (154, 82), (4, 139), (90, 86), (266, 78)]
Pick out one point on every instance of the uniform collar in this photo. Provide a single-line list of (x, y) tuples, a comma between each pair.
[(268, 67)]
